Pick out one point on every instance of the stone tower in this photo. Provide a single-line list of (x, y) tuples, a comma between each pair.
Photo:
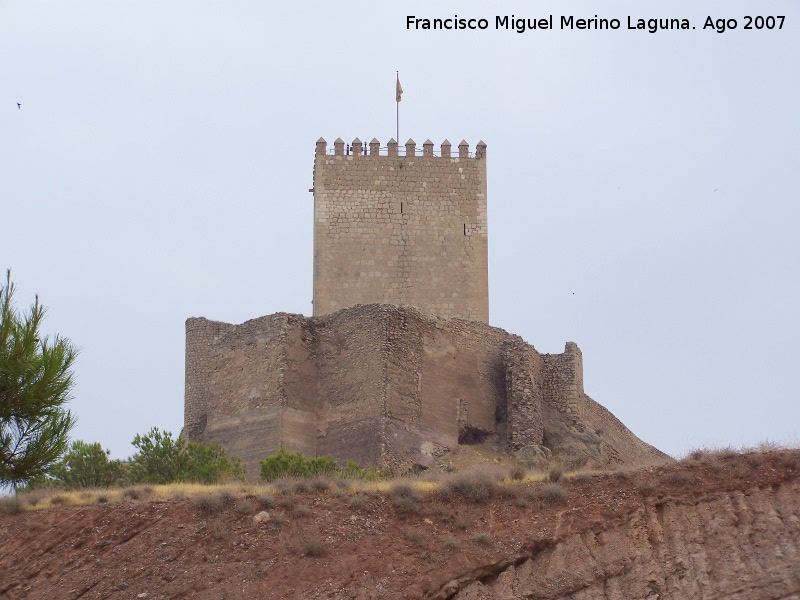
[(401, 227)]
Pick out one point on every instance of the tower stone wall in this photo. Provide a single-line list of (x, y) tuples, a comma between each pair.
[(402, 228)]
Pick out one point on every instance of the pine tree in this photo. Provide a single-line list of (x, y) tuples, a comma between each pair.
[(35, 385)]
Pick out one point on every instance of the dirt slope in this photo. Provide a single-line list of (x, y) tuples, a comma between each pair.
[(722, 528)]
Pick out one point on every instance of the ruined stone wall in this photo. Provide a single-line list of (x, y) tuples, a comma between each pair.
[(247, 400), (351, 383), (562, 380), (524, 396), (200, 335), (408, 230), (386, 385)]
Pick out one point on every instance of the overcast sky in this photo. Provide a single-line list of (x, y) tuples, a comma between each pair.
[(643, 187)]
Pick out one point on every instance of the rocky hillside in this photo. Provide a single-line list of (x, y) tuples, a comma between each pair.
[(721, 526)]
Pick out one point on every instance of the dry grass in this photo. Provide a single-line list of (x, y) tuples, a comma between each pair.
[(60, 500), (476, 485), (405, 498), (483, 538), (517, 473), (677, 478), (266, 500), (551, 493), (301, 510), (555, 471), (11, 505), (246, 506), (418, 537), (451, 542), (219, 529), (207, 502), (313, 547)]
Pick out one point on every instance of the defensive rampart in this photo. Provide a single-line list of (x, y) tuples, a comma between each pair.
[(383, 385)]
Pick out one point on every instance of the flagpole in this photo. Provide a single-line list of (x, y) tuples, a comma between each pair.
[(397, 130)]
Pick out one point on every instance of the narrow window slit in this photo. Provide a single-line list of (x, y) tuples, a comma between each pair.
[(465, 229), (401, 208)]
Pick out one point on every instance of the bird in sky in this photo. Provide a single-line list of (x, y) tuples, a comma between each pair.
[(19, 106)]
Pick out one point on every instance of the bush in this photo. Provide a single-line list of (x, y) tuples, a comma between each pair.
[(87, 465), (161, 459), (352, 470), (246, 507), (418, 537), (405, 498), (472, 485), (552, 493), (158, 459), (208, 463), (301, 510), (313, 547), (266, 501), (207, 502), (58, 500), (555, 471), (678, 478), (483, 538), (11, 505), (294, 464), (518, 473)]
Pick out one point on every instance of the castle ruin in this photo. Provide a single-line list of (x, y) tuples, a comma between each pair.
[(398, 364)]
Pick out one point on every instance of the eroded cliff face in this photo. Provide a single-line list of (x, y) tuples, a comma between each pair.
[(735, 545), (724, 526)]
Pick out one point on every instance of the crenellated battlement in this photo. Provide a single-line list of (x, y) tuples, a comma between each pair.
[(392, 148)]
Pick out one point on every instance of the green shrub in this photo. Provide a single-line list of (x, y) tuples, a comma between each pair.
[(352, 470), (161, 459), (294, 464), (208, 463), (86, 465)]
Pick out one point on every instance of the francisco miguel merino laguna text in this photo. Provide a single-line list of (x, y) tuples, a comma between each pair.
[(520, 24)]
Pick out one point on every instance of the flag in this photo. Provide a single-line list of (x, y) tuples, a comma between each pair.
[(398, 90)]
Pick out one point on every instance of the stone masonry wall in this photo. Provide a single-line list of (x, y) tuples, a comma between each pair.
[(200, 335), (407, 230), (523, 366), (379, 384), (351, 383), (246, 395), (562, 380)]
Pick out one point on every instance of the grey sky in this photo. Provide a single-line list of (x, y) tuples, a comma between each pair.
[(643, 188)]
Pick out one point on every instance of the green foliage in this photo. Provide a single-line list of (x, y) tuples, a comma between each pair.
[(158, 460), (87, 465), (294, 464), (352, 470), (162, 459), (207, 463), (35, 384)]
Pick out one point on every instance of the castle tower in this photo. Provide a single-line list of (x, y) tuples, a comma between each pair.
[(401, 227)]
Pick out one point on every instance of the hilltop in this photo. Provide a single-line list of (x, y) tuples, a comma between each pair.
[(723, 525)]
